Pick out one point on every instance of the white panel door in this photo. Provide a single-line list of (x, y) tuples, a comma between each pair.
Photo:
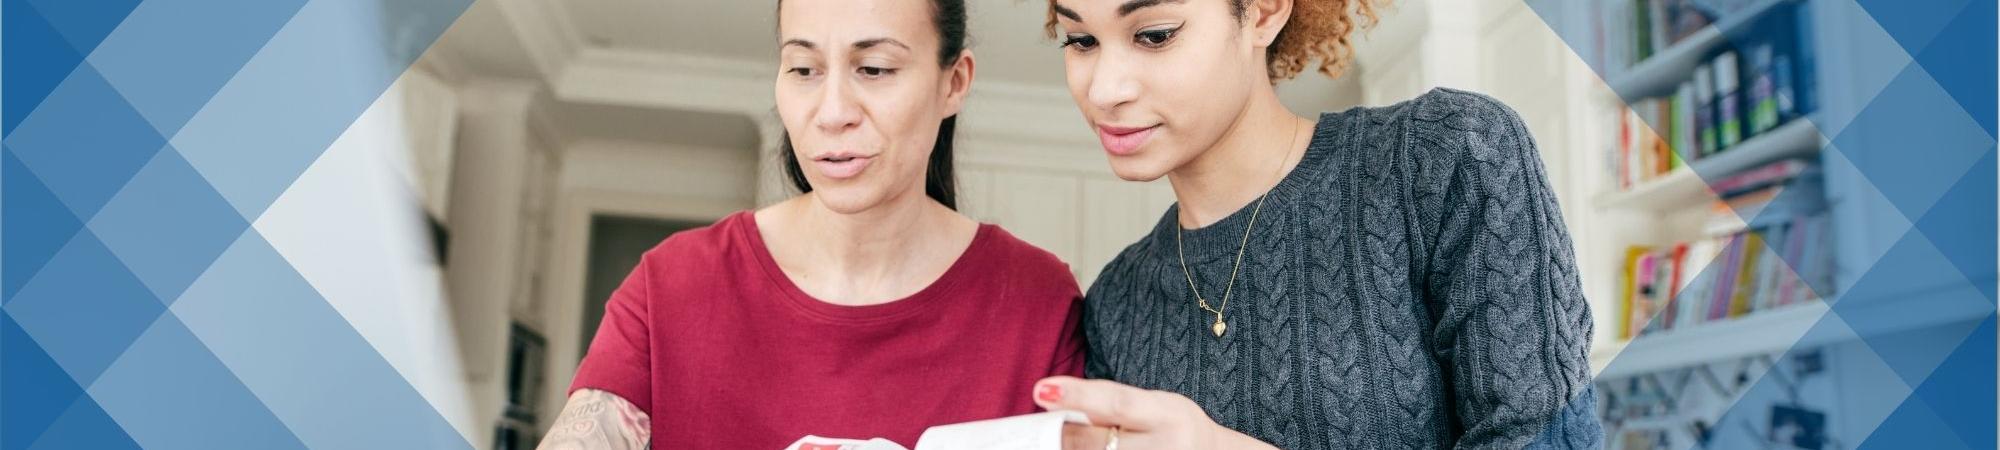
[(1039, 207)]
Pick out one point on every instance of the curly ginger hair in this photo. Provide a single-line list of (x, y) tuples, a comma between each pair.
[(1318, 30)]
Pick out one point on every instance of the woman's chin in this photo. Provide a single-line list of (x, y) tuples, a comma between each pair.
[(847, 200), (1137, 168)]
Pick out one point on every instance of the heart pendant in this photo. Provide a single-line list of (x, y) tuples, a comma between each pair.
[(1219, 327)]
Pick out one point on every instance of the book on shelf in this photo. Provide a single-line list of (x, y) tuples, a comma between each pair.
[(1649, 146), (1719, 278), (1765, 248), (1758, 77), (1758, 178), (1728, 100), (1630, 31), (1703, 87)]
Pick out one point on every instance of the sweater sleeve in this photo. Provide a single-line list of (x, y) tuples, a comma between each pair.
[(1512, 327)]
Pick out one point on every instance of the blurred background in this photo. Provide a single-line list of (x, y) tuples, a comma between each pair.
[(553, 142)]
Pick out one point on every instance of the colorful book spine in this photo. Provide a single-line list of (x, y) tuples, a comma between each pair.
[(1628, 290), (1763, 95), (1794, 248), (1729, 116), (1704, 110), (1724, 282), (1757, 178), (1685, 140), (1744, 296)]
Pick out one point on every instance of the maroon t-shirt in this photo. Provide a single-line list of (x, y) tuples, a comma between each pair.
[(711, 339)]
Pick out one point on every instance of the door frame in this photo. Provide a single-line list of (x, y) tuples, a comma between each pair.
[(563, 296)]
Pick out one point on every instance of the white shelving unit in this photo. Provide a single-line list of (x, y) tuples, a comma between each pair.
[(1686, 191), (1684, 188), (1791, 326), (1905, 314), (1659, 74), (1764, 332)]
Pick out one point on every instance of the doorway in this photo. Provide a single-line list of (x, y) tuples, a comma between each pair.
[(616, 244)]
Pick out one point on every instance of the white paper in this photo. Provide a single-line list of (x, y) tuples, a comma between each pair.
[(1040, 431), (1043, 431), (811, 442)]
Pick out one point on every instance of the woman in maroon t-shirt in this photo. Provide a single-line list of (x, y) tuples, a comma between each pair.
[(866, 306)]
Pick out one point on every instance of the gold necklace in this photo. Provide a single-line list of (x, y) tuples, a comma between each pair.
[(1220, 325)]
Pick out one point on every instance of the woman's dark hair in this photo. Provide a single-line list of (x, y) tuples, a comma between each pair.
[(939, 183)]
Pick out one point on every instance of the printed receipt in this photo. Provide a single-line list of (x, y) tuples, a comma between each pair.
[(1041, 431)]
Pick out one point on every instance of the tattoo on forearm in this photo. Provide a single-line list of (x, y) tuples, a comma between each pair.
[(595, 419)]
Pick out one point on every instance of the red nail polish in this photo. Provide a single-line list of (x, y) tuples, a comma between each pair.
[(1048, 393)]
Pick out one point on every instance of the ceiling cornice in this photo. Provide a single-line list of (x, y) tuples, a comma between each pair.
[(546, 32)]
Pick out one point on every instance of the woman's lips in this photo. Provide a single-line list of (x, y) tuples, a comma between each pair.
[(842, 166), (1122, 141)]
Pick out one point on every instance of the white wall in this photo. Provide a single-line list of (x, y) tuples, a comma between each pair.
[(666, 170), (351, 226)]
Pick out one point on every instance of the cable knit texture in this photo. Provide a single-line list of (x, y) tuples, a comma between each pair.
[(1409, 285)]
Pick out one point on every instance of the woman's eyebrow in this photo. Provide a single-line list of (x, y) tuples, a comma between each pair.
[(1066, 12), (868, 43), (863, 44), (1132, 6), (1123, 10)]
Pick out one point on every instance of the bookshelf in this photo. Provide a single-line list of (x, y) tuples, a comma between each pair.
[(1655, 208), (1659, 74), (1761, 333), (1684, 187), (1777, 330)]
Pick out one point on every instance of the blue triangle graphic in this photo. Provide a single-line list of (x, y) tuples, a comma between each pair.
[(1914, 25), (1961, 391), (85, 308), (33, 222), (169, 66), (34, 392), (37, 59), (84, 425), (168, 225), (1912, 425), (1962, 60), (85, 141), (84, 23), (1961, 225), (169, 391)]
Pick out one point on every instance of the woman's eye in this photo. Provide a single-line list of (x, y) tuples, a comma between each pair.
[(1155, 38), (873, 72), (804, 72), (1080, 41)]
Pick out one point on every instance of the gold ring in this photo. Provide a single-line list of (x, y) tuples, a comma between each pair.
[(1111, 443)]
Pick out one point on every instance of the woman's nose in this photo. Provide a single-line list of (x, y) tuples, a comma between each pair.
[(1112, 83), (838, 109)]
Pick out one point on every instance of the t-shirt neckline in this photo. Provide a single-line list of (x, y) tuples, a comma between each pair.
[(881, 312)]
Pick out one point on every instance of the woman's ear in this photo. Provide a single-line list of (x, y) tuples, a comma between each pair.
[(958, 83), (1267, 18)]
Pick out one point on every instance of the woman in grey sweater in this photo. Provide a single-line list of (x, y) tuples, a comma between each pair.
[(1394, 277)]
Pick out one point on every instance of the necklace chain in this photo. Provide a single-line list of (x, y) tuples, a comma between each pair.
[(1220, 326), (1180, 247)]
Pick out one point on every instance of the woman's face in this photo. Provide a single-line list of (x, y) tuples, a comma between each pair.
[(1159, 80), (861, 95)]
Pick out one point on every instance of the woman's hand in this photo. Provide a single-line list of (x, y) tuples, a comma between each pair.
[(1144, 419)]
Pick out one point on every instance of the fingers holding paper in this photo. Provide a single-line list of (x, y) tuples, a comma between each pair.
[(1144, 418)]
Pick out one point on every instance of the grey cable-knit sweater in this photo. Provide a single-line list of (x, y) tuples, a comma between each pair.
[(1409, 285)]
